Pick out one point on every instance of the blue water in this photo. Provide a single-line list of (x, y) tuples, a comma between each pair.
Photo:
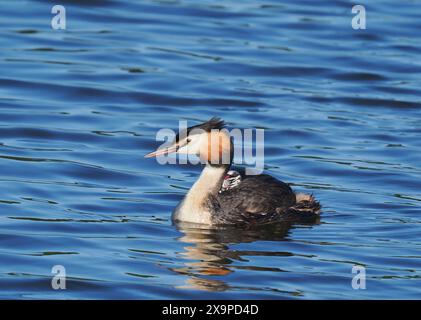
[(79, 108)]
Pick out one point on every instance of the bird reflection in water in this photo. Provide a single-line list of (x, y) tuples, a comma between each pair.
[(209, 256)]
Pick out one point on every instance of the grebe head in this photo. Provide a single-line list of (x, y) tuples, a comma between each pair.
[(210, 141)]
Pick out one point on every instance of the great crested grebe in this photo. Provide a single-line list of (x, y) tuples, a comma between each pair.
[(248, 199)]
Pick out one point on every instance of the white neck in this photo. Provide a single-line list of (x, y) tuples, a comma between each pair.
[(192, 208), (209, 181)]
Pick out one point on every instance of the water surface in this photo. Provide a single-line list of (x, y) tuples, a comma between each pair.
[(80, 107)]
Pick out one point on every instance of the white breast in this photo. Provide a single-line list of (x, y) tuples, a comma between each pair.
[(193, 207), (189, 210)]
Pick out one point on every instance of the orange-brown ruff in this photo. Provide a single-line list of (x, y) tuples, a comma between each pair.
[(258, 199)]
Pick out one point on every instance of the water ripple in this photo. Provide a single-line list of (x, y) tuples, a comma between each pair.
[(79, 109)]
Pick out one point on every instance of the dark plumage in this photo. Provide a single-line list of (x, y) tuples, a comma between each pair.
[(260, 199)]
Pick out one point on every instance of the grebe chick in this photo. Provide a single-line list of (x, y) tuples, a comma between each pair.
[(220, 196)]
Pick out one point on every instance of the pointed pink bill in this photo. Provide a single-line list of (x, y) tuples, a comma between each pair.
[(160, 152)]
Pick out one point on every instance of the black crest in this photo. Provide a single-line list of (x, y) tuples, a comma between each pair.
[(214, 123)]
